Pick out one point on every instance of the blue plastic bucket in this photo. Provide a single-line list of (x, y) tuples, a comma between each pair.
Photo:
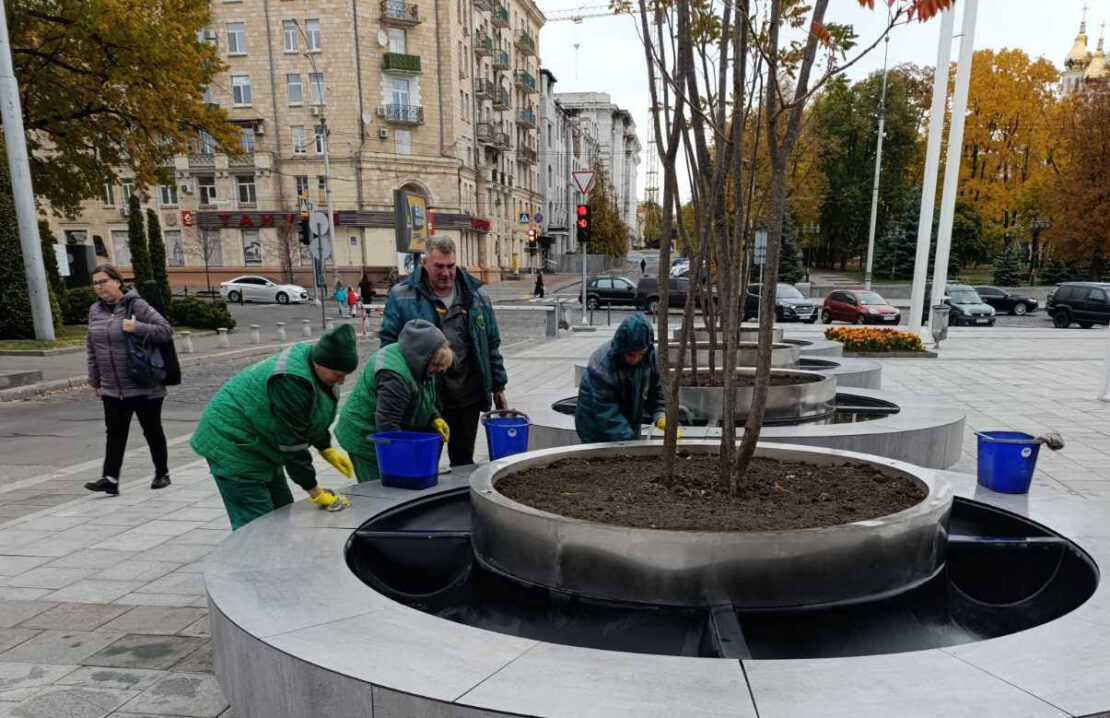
[(506, 433), (407, 459), (1007, 460)]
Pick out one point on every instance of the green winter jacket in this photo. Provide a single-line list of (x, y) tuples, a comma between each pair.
[(359, 416), (266, 417)]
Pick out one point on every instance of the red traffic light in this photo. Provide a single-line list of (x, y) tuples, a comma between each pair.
[(583, 210)]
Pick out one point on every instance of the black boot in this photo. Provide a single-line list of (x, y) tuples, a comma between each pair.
[(161, 481), (109, 487)]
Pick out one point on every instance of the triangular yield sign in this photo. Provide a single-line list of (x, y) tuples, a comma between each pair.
[(584, 180)]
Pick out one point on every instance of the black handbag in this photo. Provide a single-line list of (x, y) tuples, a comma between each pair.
[(145, 363)]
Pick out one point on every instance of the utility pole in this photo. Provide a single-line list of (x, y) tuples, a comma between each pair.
[(22, 192), (878, 169)]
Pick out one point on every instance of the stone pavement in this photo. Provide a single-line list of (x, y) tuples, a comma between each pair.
[(102, 608)]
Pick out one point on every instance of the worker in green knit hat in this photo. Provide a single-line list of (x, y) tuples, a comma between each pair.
[(261, 423)]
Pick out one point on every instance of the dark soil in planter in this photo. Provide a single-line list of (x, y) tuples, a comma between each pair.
[(717, 379), (628, 491)]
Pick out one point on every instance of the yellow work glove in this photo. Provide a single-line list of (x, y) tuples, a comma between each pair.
[(661, 424), (328, 499), (340, 461), (444, 430)]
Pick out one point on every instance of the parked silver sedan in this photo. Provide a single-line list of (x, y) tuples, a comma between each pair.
[(256, 288)]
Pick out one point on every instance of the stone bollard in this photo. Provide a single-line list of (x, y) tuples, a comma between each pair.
[(187, 343), (329, 324), (256, 337), (222, 340), (306, 327), (281, 331)]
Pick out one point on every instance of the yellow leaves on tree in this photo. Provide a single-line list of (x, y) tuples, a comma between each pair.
[(1081, 195)]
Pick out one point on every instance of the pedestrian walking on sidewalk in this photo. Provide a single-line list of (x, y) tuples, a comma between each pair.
[(444, 294), (115, 315), (643, 266), (352, 301), (259, 426), (339, 294), (366, 289), (396, 391), (538, 289)]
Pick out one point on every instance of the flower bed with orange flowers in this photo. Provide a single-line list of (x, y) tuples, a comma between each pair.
[(875, 339)]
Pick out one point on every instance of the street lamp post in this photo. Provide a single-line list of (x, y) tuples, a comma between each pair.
[(1036, 226), (878, 171), (811, 229)]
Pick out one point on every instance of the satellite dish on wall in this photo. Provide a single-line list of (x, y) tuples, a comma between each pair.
[(367, 118), (383, 39)]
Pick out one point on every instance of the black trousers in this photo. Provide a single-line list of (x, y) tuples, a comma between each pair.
[(463, 421), (117, 420)]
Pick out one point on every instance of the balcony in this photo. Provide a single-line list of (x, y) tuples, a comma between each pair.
[(525, 81), (500, 60), (499, 15), (501, 140), (526, 118), (527, 155), (525, 43), (483, 88), (400, 62), (203, 160), (483, 45), (501, 99), (398, 12), (487, 134), (483, 4), (404, 114)]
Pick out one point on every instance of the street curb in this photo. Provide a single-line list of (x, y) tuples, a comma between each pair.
[(891, 355), (75, 350)]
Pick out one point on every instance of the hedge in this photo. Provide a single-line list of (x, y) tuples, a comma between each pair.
[(875, 339), (77, 303), (201, 313)]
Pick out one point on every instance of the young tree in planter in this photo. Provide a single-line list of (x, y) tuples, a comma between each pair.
[(157, 246), (136, 243)]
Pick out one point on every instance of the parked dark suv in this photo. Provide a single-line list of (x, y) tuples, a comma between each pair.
[(613, 290), (647, 293), (1086, 303), (790, 304)]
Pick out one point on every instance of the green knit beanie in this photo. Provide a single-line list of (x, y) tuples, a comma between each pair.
[(337, 349)]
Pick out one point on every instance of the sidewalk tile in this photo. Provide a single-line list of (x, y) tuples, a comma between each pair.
[(176, 582), (93, 591), (72, 702), (198, 628), (196, 695), (12, 637), (75, 617), (204, 536), (155, 620), (136, 571), (199, 661), (133, 679), (94, 558), (142, 651), (129, 541), (66, 647), (15, 612), (13, 593), (51, 547), (197, 513), (177, 600), (48, 577), (166, 527), (15, 565), (21, 676)]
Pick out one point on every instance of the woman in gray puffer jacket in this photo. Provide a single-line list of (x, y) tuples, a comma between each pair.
[(109, 319)]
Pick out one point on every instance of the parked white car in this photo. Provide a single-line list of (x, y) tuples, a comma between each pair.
[(255, 288)]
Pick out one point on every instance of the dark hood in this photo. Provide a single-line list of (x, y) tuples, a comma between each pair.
[(633, 335)]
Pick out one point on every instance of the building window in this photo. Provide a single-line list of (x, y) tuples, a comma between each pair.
[(109, 196), (252, 248), (294, 89), (398, 90), (321, 143), (302, 186), (236, 38), (247, 193), (206, 143), (396, 40), (247, 139), (167, 195), (175, 248), (241, 89), (289, 32), (207, 185), (128, 187), (211, 249), (207, 96), (462, 105), (316, 80), (121, 251), (322, 188), (298, 136), (404, 141), (312, 35)]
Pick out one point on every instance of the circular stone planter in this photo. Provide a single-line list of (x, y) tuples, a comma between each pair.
[(804, 567), (809, 395), (861, 373), (748, 333), (817, 347), (783, 356)]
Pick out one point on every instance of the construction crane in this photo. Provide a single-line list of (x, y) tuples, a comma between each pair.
[(578, 14)]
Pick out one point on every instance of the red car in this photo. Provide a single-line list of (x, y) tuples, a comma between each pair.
[(858, 306)]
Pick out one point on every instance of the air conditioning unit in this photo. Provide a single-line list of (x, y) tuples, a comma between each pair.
[(381, 111), (259, 129), (186, 188), (314, 111), (383, 133)]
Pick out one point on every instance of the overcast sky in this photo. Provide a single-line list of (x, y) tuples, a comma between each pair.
[(609, 57)]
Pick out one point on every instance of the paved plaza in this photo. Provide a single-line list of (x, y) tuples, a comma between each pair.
[(102, 599)]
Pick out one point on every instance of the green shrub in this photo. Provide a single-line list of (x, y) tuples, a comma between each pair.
[(201, 313), (75, 310)]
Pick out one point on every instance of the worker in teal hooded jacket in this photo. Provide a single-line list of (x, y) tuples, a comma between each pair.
[(621, 386)]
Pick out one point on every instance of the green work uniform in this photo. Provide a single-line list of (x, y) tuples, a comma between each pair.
[(358, 419), (262, 422)]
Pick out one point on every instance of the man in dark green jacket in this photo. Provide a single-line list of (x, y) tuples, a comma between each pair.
[(396, 391), (444, 294), (264, 419)]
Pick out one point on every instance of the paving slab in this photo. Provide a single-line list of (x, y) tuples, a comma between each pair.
[(15, 565), (48, 577), (155, 620), (176, 582), (74, 616), (144, 651), (196, 695), (71, 702), (130, 679), (136, 571), (16, 612), (93, 591), (179, 600), (199, 661), (63, 647), (94, 558), (23, 676)]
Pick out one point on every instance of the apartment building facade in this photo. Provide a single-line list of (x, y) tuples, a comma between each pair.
[(340, 104)]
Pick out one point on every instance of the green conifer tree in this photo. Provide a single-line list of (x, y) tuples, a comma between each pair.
[(1007, 267), (15, 303), (157, 247), (136, 243), (790, 261)]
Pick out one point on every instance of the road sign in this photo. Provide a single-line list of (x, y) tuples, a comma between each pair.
[(319, 224), (584, 180), (525, 218), (538, 216), (760, 247), (320, 248)]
